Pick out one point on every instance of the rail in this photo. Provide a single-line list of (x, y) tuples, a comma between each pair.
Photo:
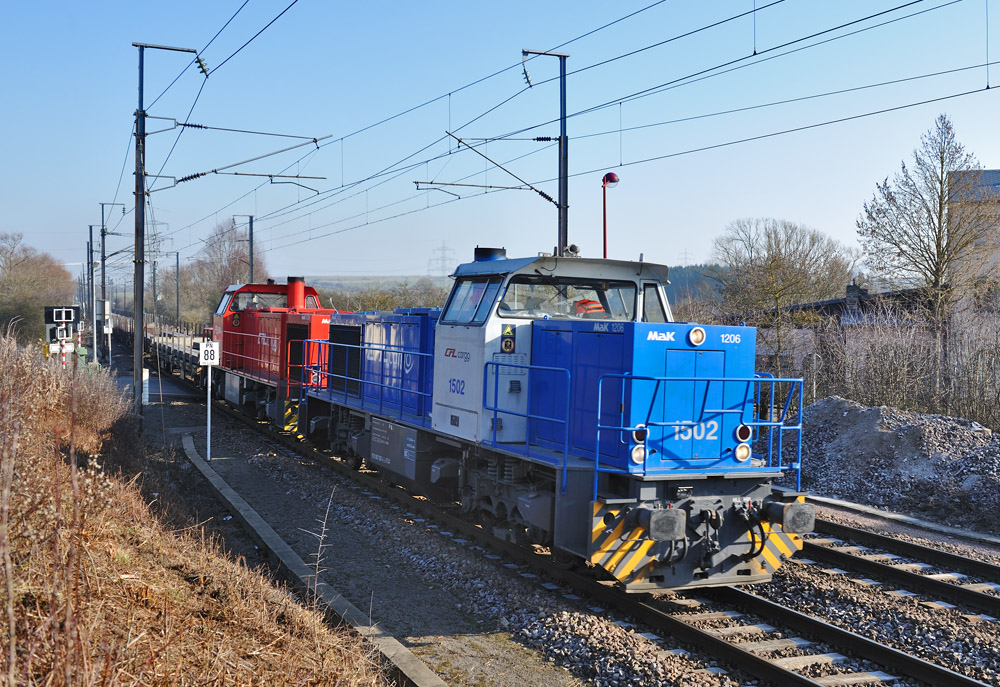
[(653, 612), (852, 558)]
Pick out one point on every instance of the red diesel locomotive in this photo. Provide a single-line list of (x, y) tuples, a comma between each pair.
[(260, 328)]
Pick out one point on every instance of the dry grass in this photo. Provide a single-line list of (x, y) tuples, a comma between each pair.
[(96, 591)]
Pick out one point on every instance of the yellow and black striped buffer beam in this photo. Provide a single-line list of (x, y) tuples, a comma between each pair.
[(624, 557), (291, 422), (779, 546), (626, 552)]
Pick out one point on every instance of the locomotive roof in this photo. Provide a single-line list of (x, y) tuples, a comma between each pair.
[(263, 288), (579, 267)]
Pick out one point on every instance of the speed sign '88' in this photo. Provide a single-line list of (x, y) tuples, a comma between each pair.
[(209, 353)]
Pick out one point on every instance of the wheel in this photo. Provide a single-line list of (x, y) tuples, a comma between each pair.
[(564, 559), (354, 461)]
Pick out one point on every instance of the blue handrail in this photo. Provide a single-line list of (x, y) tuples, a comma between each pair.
[(496, 410), (762, 378), (768, 425), (320, 377)]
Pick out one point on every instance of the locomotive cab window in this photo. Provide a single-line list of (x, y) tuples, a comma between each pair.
[(248, 300), (223, 304), (540, 296), (652, 306), (471, 300)]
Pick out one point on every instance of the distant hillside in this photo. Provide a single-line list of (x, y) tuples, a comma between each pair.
[(691, 282), (685, 282), (365, 282)]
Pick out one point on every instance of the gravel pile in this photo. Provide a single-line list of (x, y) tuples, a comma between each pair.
[(939, 467)]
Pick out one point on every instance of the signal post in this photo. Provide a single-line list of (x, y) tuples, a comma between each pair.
[(208, 357)]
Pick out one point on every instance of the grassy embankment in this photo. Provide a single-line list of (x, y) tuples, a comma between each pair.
[(96, 590)]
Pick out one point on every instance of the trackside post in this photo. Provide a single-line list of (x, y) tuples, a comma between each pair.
[(208, 357)]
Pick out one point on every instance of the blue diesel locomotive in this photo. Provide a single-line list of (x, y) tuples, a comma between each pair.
[(557, 400)]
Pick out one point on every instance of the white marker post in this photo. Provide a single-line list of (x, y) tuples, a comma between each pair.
[(208, 357)]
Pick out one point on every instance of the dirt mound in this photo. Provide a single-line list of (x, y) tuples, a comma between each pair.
[(936, 466)]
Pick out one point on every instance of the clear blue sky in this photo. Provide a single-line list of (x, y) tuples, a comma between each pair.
[(334, 69)]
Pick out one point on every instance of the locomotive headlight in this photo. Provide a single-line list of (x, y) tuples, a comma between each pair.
[(696, 337), (639, 434), (638, 454), (743, 433), (742, 452)]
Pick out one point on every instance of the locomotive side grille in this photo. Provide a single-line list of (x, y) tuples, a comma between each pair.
[(345, 358), (296, 332)]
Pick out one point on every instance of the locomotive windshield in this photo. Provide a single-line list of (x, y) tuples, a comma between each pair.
[(568, 298), (471, 300), (252, 300), (223, 304)]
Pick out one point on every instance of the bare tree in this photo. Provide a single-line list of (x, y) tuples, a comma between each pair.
[(423, 293), (887, 359), (767, 265), (695, 302), (931, 226), (30, 280), (224, 260)]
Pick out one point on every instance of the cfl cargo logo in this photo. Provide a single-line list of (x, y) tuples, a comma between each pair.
[(464, 356), (660, 336)]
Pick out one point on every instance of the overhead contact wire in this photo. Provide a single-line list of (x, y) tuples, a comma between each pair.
[(668, 156), (205, 80), (433, 100), (389, 169), (217, 34), (783, 132), (179, 134), (913, 2), (787, 101), (720, 69), (252, 38)]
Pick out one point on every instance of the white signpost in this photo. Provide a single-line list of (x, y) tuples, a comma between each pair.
[(208, 357), (105, 308)]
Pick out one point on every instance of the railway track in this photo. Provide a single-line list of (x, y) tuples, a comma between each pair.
[(883, 557), (901, 547), (751, 634)]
